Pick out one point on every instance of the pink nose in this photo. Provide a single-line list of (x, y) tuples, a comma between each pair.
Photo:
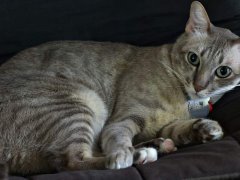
[(198, 87)]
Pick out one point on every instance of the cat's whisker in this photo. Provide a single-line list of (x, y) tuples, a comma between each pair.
[(220, 93)]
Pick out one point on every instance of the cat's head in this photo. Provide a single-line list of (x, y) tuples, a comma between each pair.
[(206, 57)]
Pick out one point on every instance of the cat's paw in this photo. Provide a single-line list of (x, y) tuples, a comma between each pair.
[(145, 155), (123, 158), (166, 145), (207, 130), (150, 154)]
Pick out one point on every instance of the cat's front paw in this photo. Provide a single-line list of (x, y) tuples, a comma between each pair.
[(207, 130), (150, 154), (122, 158), (145, 155)]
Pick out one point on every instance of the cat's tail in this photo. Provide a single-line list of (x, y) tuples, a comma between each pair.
[(94, 163)]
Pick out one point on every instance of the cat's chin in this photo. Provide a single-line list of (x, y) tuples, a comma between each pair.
[(193, 95)]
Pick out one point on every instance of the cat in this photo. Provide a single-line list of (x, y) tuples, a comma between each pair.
[(72, 105)]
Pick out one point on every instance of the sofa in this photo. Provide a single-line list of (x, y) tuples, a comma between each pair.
[(144, 23)]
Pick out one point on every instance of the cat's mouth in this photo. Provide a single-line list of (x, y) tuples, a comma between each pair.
[(196, 95)]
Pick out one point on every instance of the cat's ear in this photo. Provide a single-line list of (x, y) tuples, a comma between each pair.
[(235, 43), (198, 20)]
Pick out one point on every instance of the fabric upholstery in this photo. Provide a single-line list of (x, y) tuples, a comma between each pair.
[(146, 22)]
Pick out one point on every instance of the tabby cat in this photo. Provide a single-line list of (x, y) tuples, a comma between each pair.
[(63, 103)]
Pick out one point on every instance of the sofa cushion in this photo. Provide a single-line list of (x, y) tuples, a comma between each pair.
[(221, 158), (147, 22), (214, 160), (129, 173), (227, 111), (4, 58)]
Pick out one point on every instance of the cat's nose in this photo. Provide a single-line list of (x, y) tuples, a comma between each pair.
[(198, 87)]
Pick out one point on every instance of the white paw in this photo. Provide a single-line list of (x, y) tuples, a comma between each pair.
[(145, 155), (123, 158)]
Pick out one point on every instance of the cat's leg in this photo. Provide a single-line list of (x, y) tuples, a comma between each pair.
[(73, 144), (160, 144), (77, 134), (192, 131), (116, 142)]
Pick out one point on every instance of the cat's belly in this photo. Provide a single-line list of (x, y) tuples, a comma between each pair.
[(160, 118), (41, 119)]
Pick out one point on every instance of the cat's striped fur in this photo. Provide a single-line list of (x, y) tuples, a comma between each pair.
[(61, 103)]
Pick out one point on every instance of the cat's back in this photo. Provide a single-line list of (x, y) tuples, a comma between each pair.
[(51, 56), (75, 62), (61, 68)]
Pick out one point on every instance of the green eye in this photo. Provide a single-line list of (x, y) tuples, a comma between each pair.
[(193, 59), (223, 71)]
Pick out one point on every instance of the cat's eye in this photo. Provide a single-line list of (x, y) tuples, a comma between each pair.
[(223, 71), (193, 59)]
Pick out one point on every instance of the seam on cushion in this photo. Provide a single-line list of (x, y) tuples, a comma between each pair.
[(139, 171), (234, 175), (232, 135), (217, 177)]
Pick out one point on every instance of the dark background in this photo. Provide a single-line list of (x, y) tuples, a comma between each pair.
[(25, 23)]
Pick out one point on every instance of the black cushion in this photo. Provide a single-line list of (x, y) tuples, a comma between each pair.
[(215, 160), (141, 22), (227, 111)]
